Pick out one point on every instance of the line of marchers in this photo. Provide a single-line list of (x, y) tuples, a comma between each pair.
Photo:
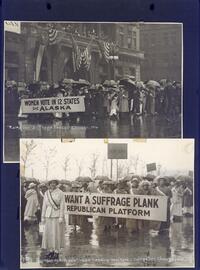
[(112, 201)]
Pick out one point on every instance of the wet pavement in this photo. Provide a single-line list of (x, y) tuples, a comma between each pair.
[(130, 127), (88, 246)]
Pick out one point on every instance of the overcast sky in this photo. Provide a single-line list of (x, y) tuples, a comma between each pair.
[(174, 156)]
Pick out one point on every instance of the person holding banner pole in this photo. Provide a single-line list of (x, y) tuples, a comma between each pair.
[(53, 211), (105, 223), (131, 223), (165, 191)]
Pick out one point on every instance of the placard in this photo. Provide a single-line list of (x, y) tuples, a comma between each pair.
[(53, 104)]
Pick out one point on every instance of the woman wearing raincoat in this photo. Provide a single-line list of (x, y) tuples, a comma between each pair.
[(32, 204)]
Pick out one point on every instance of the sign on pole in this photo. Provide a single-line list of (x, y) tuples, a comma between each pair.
[(117, 151), (151, 167)]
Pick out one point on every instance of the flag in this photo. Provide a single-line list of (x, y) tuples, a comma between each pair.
[(81, 59), (105, 48), (75, 54), (52, 35), (85, 59)]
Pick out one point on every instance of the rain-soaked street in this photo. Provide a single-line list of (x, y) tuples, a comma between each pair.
[(89, 246), (132, 127)]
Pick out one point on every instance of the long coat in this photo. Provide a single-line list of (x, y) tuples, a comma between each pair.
[(32, 205)]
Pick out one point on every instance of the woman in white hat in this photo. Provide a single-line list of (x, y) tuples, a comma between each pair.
[(53, 210), (32, 204)]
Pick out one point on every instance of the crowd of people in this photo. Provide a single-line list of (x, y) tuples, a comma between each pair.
[(114, 100), (44, 203)]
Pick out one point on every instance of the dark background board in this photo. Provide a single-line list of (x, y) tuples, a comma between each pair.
[(117, 151), (185, 11)]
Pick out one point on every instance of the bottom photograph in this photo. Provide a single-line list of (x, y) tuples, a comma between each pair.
[(107, 203)]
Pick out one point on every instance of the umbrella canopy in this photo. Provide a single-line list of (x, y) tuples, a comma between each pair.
[(163, 82), (152, 83), (127, 81), (130, 177), (140, 84), (83, 179), (29, 180), (149, 177), (82, 82), (184, 178), (65, 182), (110, 83), (68, 81), (102, 178)]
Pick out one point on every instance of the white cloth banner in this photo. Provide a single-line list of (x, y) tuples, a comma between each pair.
[(12, 26), (53, 104), (117, 205)]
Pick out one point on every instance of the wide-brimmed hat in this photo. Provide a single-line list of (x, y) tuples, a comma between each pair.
[(31, 185), (76, 185), (145, 182), (53, 180)]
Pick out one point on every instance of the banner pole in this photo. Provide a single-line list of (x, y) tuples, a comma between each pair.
[(111, 165)]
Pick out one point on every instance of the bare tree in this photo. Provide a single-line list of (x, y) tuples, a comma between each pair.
[(66, 165), (104, 166), (48, 162), (79, 164), (93, 166), (121, 169), (27, 149), (134, 162)]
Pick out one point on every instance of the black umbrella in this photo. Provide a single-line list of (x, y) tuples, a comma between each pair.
[(83, 179)]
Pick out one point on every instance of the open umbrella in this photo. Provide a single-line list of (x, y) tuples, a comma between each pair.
[(86, 179), (82, 82), (130, 177), (184, 178), (140, 84), (163, 82), (152, 83), (109, 83), (65, 182), (102, 178), (127, 82), (149, 177)]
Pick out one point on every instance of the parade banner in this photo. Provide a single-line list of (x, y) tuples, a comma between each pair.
[(151, 167), (12, 26), (117, 205), (53, 105)]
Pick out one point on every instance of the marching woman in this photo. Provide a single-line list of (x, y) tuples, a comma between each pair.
[(53, 211), (32, 205), (165, 191), (131, 223)]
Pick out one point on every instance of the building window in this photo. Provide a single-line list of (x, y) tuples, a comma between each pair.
[(122, 40), (129, 41), (12, 57), (134, 40)]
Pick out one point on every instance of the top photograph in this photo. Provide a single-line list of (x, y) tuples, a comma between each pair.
[(91, 80)]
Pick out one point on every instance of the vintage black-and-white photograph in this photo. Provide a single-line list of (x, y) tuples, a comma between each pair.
[(107, 203), (91, 80)]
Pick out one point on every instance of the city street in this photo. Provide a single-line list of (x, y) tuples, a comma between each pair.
[(133, 127), (90, 247)]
